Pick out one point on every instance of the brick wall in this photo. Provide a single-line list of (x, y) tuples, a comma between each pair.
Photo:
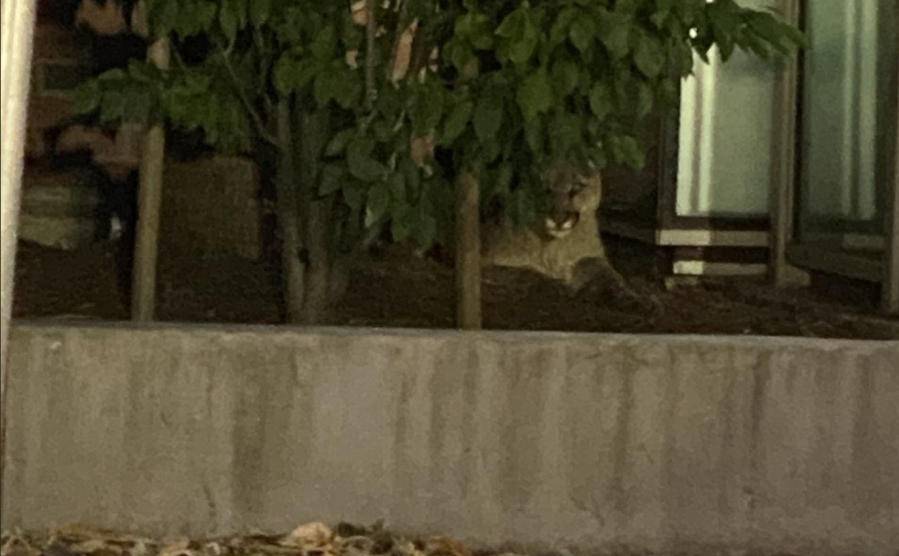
[(60, 63)]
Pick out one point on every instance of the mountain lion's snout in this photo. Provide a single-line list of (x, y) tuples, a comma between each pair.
[(561, 222)]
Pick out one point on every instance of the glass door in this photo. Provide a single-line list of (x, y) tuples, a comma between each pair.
[(845, 194)]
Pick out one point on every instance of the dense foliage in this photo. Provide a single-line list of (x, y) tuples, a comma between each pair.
[(516, 87)]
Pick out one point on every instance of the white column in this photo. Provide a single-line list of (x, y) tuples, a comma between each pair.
[(17, 27)]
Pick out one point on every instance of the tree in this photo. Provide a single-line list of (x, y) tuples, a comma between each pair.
[(373, 113)]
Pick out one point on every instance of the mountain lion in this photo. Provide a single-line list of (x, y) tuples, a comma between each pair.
[(566, 245)]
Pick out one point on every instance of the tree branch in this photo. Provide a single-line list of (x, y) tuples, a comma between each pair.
[(371, 29), (254, 114), (263, 53)]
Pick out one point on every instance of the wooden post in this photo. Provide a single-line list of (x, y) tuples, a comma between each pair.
[(783, 164), (468, 253), (152, 164), (17, 26)]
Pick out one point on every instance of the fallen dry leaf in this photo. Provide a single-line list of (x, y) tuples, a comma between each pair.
[(80, 531), (178, 547), (95, 545), (16, 545), (309, 536), (309, 539), (444, 546)]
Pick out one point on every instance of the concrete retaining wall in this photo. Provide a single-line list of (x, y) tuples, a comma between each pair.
[(585, 441)]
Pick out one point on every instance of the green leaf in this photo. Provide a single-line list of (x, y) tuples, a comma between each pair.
[(332, 179), (427, 231), (460, 55), (360, 162), (645, 99), (137, 108), (284, 74), (163, 17), (324, 46), (533, 135), (649, 56), (771, 30), (228, 20), (383, 130), (565, 133), (325, 88), (377, 204), (499, 186), (112, 107), (397, 185), (512, 26), (565, 77), (350, 94), (562, 25), (684, 58), (428, 109), (456, 122), (523, 48), (113, 75), (726, 47), (401, 224), (86, 98), (724, 17), (521, 33), (483, 40), (659, 16), (600, 100), (475, 29), (338, 82), (614, 32), (582, 33), (411, 175), (353, 194), (488, 117), (259, 12), (339, 142), (535, 95), (240, 9), (627, 150)]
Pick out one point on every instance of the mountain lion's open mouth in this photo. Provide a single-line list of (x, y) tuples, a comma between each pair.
[(556, 230)]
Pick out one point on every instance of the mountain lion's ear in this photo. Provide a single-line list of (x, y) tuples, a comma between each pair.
[(102, 18)]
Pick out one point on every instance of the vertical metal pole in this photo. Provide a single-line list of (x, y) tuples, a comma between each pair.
[(783, 161), (146, 248), (890, 301), (17, 27)]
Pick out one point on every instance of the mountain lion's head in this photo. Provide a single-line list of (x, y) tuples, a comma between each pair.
[(575, 196)]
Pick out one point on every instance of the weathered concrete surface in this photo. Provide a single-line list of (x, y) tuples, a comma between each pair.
[(545, 439)]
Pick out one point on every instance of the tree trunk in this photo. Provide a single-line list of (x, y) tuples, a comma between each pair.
[(292, 264), (468, 253), (315, 213)]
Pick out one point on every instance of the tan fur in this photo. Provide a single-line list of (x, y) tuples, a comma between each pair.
[(102, 19), (561, 257)]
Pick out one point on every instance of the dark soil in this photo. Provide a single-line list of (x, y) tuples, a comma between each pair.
[(398, 289)]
